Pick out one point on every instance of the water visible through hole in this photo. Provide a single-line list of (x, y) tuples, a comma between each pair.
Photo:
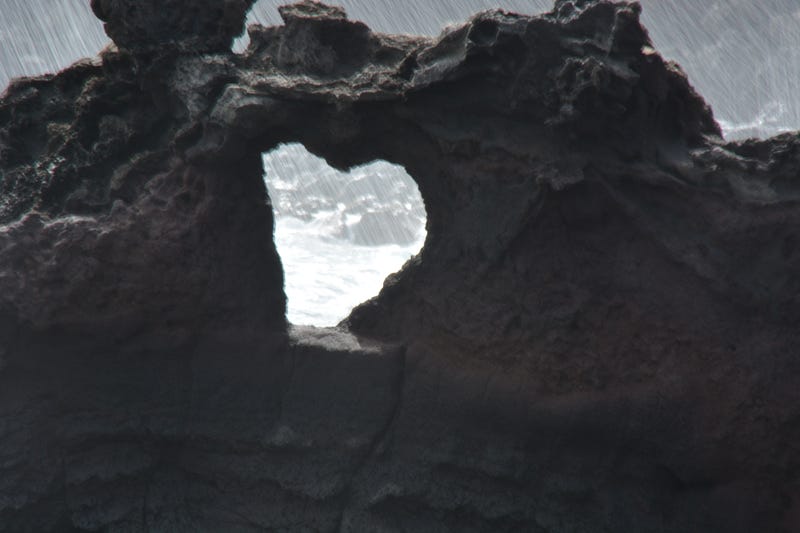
[(339, 234)]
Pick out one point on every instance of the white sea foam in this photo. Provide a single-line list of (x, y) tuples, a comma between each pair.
[(339, 234), (772, 119), (325, 277)]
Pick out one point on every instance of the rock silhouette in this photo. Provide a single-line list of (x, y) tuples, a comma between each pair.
[(599, 334)]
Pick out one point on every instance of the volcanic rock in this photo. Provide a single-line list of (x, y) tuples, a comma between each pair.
[(149, 25), (599, 334)]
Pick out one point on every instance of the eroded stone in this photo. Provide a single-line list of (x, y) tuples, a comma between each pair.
[(599, 335)]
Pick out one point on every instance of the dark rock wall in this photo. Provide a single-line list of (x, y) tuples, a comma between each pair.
[(599, 334)]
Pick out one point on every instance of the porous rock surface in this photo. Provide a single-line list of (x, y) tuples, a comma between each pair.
[(600, 334)]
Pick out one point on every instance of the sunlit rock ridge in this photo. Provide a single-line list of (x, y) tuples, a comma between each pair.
[(599, 334)]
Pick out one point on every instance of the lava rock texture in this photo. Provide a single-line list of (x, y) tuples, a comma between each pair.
[(600, 334)]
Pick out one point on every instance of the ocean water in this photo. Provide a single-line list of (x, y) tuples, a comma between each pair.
[(326, 278), (340, 234)]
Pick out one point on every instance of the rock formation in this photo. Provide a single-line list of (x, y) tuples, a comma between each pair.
[(599, 335)]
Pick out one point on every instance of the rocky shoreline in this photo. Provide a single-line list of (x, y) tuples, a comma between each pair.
[(599, 334)]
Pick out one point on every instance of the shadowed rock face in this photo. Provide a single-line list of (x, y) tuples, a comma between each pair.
[(599, 334), (148, 25)]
